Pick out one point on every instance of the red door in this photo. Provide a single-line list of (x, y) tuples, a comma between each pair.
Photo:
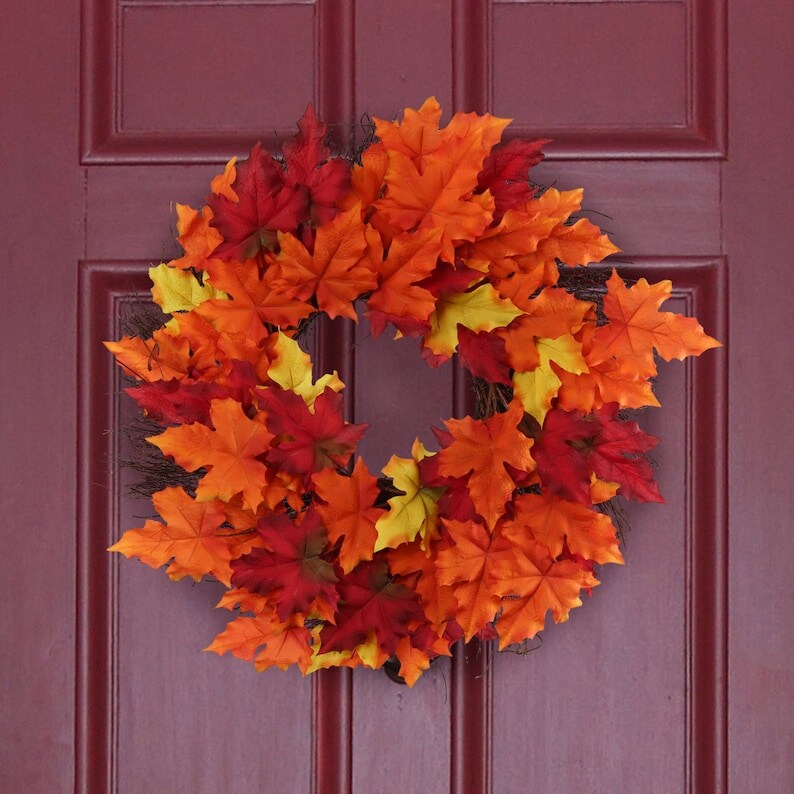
[(676, 676)]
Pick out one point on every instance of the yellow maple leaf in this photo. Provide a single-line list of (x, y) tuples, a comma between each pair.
[(536, 389), (479, 310), (414, 513), (179, 290), (292, 370)]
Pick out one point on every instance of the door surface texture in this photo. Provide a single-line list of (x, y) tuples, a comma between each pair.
[(674, 115)]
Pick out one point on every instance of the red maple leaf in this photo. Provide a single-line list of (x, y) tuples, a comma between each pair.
[(505, 173), (266, 205), (310, 165), (171, 402), (292, 567), (307, 442), (371, 602), (483, 354), (178, 402), (572, 446)]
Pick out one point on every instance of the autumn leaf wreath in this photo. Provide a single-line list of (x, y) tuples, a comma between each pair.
[(439, 233)]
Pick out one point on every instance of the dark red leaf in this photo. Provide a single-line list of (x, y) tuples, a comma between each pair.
[(505, 173), (447, 278), (371, 601), (310, 165), (292, 566), (307, 442), (572, 446), (483, 354), (266, 205)]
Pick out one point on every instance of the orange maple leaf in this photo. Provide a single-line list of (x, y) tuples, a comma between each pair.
[(637, 327), (441, 195), (518, 233), (196, 236), (606, 382), (163, 357), (413, 661), (336, 273), (553, 521), (417, 135), (537, 585), (221, 184), (189, 539), (550, 314), (419, 569), (229, 451), (284, 644), (474, 565), (254, 301), (482, 447), (348, 512), (410, 259)]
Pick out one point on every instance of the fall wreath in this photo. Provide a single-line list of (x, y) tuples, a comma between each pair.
[(439, 233)]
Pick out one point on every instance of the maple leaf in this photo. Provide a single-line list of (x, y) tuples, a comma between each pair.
[(536, 389), (447, 279), (479, 310), (309, 164), (539, 585), (440, 195), (254, 302), (484, 355), (455, 501), (292, 565), (411, 258), (189, 539), (221, 184), (417, 135), (558, 204), (196, 236), (483, 447), (505, 172), (637, 327), (175, 402), (163, 357), (606, 382), (413, 661), (230, 451), (553, 521), (292, 369), (308, 441), (337, 272), (284, 645), (581, 243), (518, 233), (474, 565), (175, 290), (550, 314), (572, 447), (265, 206), (348, 512), (415, 511), (418, 570), (612, 380), (369, 601), (366, 179), (244, 600)]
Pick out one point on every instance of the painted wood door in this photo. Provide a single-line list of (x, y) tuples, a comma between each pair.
[(676, 676)]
